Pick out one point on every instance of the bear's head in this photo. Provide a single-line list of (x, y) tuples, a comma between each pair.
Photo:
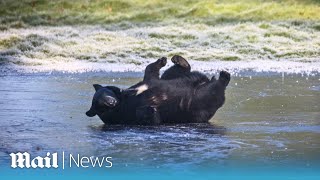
[(105, 99)]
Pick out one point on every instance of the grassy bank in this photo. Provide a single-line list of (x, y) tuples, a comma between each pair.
[(52, 48), (47, 35), (70, 12)]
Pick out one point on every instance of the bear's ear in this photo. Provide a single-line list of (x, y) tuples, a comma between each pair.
[(97, 86), (116, 90)]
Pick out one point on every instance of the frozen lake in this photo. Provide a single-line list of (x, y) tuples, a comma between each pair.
[(268, 119)]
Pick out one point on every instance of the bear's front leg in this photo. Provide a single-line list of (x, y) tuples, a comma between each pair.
[(147, 115), (152, 71)]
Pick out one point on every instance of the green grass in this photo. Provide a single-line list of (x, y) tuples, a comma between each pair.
[(7, 43), (316, 27), (19, 14), (169, 36), (230, 58), (283, 34), (135, 62), (269, 50), (298, 54)]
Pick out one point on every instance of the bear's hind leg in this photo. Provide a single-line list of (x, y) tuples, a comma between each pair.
[(209, 97), (180, 68), (182, 62), (224, 78), (147, 115), (202, 116)]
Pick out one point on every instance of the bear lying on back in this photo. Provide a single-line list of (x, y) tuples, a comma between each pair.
[(180, 96)]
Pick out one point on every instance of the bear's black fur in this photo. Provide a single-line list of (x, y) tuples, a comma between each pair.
[(179, 96)]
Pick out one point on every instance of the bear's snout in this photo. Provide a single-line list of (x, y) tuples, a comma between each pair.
[(110, 101)]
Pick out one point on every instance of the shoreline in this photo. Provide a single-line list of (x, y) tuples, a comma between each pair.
[(213, 67)]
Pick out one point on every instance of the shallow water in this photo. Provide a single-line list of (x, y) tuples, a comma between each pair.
[(270, 120)]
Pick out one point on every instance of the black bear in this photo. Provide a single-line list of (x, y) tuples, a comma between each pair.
[(179, 96)]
